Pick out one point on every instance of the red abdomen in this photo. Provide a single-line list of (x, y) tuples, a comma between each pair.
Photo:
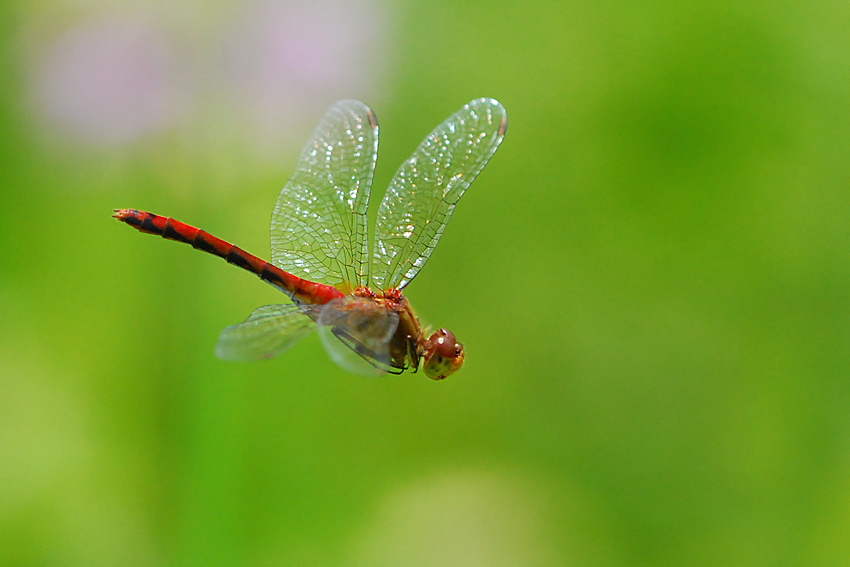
[(298, 289)]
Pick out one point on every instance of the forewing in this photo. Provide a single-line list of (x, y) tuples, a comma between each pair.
[(318, 228), (267, 332), (426, 188), (357, 332)]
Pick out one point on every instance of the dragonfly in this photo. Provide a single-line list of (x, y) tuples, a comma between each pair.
[(319, 243)]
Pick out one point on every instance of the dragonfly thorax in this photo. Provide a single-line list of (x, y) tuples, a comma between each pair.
[(441, 353)]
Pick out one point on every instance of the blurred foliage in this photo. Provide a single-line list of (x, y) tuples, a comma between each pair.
[(651, 277)]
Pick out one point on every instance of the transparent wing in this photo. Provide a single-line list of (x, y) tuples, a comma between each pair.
[(426, 188), (357, 332), (318, 228), (267, 332)]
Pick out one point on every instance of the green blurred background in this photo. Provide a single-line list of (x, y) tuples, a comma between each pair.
[(651, 277)]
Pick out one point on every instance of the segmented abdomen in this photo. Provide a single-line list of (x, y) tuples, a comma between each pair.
[(298, 289)]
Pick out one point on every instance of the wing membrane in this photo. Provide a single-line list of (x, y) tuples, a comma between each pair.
[(267, 332), (423, 194), (318, 228), (357, 332)]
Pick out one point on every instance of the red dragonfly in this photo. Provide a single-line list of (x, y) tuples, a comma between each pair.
[(319, 242)]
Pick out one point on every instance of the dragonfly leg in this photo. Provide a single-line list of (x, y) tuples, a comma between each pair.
[(413, 354), (363, 351)]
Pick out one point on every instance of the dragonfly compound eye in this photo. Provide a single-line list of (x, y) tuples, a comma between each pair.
[(444, 355)]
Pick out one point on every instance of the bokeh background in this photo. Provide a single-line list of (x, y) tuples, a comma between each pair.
[(652, 279)]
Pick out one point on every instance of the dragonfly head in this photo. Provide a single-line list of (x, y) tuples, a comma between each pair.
[(443, 356)]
